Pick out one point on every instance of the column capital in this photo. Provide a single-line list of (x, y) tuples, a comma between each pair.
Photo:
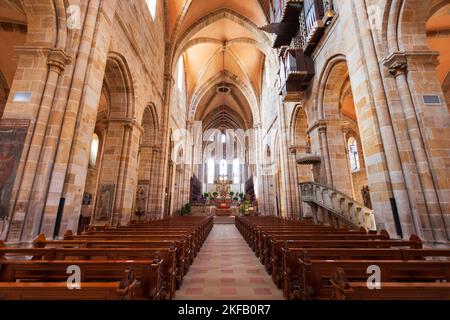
[(128, 123), (320, 125), (396, 63), (57, 60), (400, 62)]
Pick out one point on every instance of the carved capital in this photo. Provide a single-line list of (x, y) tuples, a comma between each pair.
[(57, 60), (396, 63)]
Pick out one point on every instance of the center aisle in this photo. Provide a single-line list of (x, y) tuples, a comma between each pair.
[(226, 268)]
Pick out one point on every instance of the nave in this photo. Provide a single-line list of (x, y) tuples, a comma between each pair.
[(152, 260), (226, 268)]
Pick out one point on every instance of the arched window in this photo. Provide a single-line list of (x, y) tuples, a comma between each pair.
[(211, 170), (224, 138), (180, 75), (236, 171), (151, 4), (223, 168), (353, 155), (95, 144)]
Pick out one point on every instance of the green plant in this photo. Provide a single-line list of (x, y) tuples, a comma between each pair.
[(231, 194), (186, 210), (235, 199), (215, 194), (242, 196), (206, 195)]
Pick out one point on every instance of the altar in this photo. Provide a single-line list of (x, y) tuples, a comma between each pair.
[(224, 202)]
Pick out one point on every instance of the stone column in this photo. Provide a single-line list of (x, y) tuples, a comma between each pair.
[(433, 221), (28, 209)]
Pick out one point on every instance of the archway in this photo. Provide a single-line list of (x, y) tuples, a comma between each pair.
[(438, 39), (169, 178), (302, 143), (113, 182), (146, 186), (345, 153), (13, 33)]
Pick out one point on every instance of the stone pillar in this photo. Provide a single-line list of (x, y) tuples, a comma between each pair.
[(432, 220), (32, 203)]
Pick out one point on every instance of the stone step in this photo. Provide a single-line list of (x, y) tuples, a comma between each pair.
[(224, 220)]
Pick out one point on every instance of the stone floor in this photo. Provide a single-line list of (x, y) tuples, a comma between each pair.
[(226, 268)]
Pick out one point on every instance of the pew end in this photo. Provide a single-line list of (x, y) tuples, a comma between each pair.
[(340, 284), (418, 244), (363, 230), (128, 285), (68, 235), (385, 234), (40, 241)]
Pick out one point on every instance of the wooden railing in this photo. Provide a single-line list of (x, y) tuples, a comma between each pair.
[(296, 71), (340, 205)]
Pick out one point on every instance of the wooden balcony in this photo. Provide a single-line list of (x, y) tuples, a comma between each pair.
[(305, 17), (296, 71), (314, 18)]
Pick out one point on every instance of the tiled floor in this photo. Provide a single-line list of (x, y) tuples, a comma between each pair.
[(226, 268)]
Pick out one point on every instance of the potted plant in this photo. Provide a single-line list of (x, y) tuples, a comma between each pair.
[(215, 194), (186, 210)]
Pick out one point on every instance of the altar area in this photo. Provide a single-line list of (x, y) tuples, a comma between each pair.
[(223, 204)]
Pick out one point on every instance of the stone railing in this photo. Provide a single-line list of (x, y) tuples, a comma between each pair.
[(340, 205)]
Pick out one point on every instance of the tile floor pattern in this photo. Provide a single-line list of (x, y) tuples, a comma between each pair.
[(227, 269)]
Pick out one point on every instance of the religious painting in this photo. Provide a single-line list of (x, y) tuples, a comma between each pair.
[(140, 207), (12, 139), (104, 204)]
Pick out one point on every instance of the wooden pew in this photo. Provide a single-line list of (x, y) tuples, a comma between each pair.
[(148, 273), (345, 290), (290, 265), (166, 255), (182, 265), (272, 245), (123, 290), (315, 275)]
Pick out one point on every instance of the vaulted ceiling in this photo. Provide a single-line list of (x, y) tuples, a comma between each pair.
[(221, 44)]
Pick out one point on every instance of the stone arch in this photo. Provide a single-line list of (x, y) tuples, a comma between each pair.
[(118, 120), (333, 86), (411, 24), (334, 78), (147, 188), (299, 125), (120, 84), (446, 89), (323, 79), (223, 13), (247, 91), (4, 93), (150, 124), (46, 23)]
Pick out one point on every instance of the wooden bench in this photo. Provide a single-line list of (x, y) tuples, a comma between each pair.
[(345, 290), (182, 264), (166, 255), (123, 290), (315, 275), (290, 265), (147, 272), (272, 253)]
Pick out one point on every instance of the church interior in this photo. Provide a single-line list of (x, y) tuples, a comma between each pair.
[(224, 149)]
